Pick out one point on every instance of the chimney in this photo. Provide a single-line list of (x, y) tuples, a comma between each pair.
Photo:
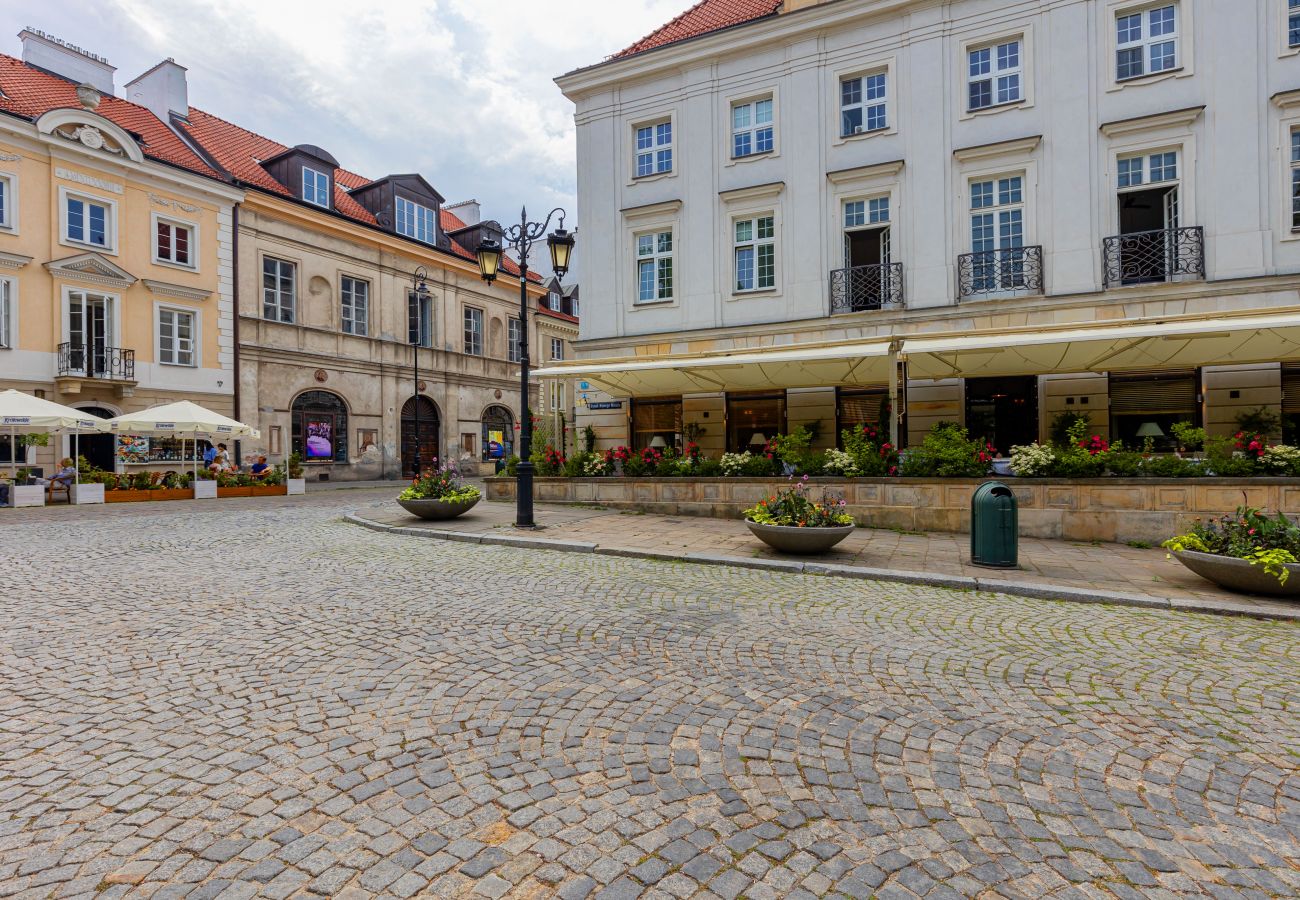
[(162, 90), (468, 211), (44, 51)]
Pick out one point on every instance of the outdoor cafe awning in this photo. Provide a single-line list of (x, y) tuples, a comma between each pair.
[(1175, 343), (1167, 344), (846, 364)]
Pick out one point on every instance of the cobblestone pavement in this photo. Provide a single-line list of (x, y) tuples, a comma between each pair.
[(253, 698)]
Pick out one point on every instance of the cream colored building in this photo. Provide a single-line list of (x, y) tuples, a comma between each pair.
[(116, 243), (994, 210)]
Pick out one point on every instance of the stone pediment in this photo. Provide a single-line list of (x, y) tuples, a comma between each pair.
[(92, 269)]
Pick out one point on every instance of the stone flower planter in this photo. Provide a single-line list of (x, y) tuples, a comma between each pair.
[(295, 485), (804, 541), (438, 509), (205, 489), (1239, 575)]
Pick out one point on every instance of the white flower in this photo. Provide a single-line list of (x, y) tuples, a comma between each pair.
[(838, 462), (734, 463), (1032, 460)]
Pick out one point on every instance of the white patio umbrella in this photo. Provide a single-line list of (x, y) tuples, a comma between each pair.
[(184, 419), (25, 414)]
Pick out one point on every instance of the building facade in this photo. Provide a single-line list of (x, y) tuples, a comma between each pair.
[(986, 211), (116, 243)]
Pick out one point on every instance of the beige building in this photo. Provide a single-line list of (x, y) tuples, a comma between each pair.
[(116, 243), (992, 211)]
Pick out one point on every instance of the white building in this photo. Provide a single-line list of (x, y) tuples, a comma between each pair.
[(1028, 207)]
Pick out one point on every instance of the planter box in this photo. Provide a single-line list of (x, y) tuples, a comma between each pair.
[(1240, 575), (26, 495), (128, 496), (172, 494), (87, 493), (205, 489), (296, 485), (437, 509), (223, 493), (268, 490), (801, 541)]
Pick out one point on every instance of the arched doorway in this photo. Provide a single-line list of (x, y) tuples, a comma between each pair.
[(100, 450), (320, 427), (430, 424), (498, 433)]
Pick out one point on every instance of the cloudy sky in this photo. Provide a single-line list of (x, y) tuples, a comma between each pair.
[(388, 86)]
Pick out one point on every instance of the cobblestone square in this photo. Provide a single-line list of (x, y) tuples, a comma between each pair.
[(254, 698)]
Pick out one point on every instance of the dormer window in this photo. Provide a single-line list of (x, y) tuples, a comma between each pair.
[(416, 221), (315, 187)]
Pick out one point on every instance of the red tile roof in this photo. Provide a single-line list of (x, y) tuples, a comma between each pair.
[(543, 310), (241, 151), (702, 18), (30, 93)]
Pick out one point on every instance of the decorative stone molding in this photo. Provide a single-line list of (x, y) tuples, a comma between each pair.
[(92, 269), (9, 157), (90, 130), (177, 291), (171, 204), (13, 260), (879, 170), (754, 192), (1016, 147), (87, 180), (1178, 118)]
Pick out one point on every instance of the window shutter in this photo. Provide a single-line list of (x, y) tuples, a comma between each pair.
[(1169, 391), (862, 407), (1291, 389)]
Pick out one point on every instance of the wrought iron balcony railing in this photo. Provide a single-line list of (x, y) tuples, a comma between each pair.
[(96, 361), (860, 288), (1144, 257), (1010, 270)]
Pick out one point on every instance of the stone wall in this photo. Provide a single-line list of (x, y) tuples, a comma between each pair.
[(1103, 509)]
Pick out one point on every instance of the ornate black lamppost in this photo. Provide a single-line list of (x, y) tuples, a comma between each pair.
[(522, 237), (419, 293)]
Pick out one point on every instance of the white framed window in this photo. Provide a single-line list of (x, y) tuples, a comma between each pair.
[(994, 74), (1295, 178), (315, 187), (512, 339), (90, 328), (555, 395), (176, 337), (419, 319), (8, 314), (174, 243), (1155, 168), (654, 148), (997, 233), (864, 104), (866, 213), (355, 295), (473, 331), (1293, 23), (557, 348), (8, 201), (1146, 41), (752, 128), (89, 221), (755, 253), (416, 221), (654, 266), (279, 289)]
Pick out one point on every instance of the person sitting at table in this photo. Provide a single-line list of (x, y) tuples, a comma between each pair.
[(62, 480), (221, 461), (260, 469)]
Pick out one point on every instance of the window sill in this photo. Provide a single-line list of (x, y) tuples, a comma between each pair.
[(82, 245), (756, 292), (653, 176), (864, 135), (180, 365), (1120, 83), (646, 304), (996, 108), (183, 267), (766, 154)]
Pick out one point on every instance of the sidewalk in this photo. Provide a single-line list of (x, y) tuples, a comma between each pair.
[(1049, 569)]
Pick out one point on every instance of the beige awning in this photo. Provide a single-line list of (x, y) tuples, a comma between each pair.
[(1168, 344), (855, 364)]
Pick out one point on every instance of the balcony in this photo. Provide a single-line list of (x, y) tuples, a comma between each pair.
[(862, 288), (1011, 271), (95, 364), (1152, 257)]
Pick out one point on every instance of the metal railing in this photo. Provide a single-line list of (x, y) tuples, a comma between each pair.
[(1143, 257), (861, 288), (1010, 270), (96, 361)]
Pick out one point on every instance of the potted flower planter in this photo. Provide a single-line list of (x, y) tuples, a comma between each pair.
[(172, 494), (1240, 575), (127, 496), (225, 492), (268, 490), (437, 509), (205, 489), (87, 493), (26, 495), (793, 539), (295, 485)]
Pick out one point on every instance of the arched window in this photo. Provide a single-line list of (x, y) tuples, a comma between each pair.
[(498, 433), (320, 427)]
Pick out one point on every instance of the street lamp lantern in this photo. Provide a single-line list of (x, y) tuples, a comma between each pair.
[(561, 244), (522, 237), (489, 259)]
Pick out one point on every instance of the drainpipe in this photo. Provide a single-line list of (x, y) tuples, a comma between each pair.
[(895, 357), (234, 276)]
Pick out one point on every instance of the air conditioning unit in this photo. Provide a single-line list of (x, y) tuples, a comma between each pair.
[(857, 129)]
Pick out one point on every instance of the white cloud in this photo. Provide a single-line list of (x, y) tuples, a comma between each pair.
[(458, 90)]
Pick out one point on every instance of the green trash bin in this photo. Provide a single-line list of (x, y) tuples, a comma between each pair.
[(994, 526)]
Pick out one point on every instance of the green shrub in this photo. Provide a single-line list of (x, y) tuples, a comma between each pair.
[(760, 465), (708, 468), (872, 454), (1063, 423), (1227, 457), (511, 465), (575, 465), (1127, 463), (1188, 436), (1171, 467), (1259, 421), (947, 452)]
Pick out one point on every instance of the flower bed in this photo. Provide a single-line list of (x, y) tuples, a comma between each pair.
[(1270, 545), (439, 495)]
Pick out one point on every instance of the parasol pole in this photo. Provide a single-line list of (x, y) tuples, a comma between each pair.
[(13, 454)]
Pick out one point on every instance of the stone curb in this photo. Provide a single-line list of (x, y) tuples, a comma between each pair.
[(1032, 590)]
